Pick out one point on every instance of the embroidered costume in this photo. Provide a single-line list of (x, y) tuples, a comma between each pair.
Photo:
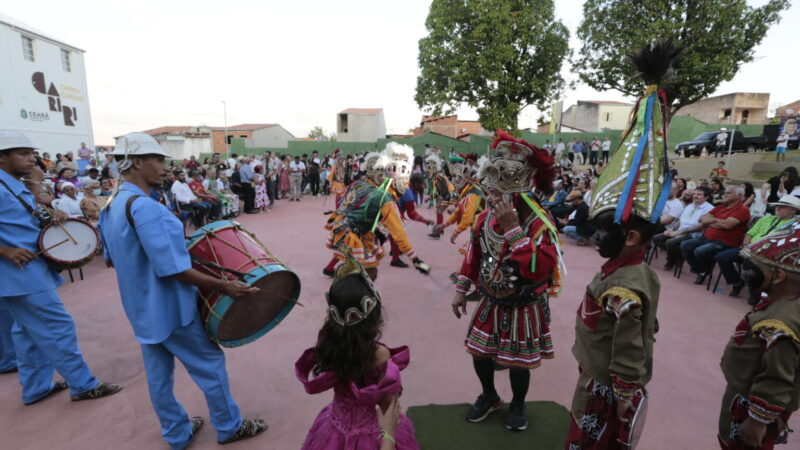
[(513, 271), (470, 198), (761, 362), (368, 212), (616, 321), (441, 191), (336, 175)]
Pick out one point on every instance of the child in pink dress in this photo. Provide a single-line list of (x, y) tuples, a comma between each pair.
[(361, 371)]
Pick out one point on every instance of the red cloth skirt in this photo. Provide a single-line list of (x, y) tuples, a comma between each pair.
[(511, 335)]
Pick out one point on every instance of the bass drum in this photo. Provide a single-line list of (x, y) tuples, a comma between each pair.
[(225, 249)]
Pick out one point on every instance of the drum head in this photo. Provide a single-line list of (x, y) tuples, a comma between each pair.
[(70, 252), (249, 315)]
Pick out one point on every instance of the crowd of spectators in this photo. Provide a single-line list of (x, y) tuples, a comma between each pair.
[(703, 225)]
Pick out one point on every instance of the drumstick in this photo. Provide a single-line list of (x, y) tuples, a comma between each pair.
[(51, 247), (68, 235)]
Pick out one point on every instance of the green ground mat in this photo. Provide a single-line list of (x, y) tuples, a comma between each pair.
[(443, 427)]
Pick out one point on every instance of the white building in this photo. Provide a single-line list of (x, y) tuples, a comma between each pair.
[(43, 90), (360, 125), (183, 142), (594, 116)]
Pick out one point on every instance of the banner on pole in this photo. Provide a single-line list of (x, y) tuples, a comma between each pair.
[(555, 117)]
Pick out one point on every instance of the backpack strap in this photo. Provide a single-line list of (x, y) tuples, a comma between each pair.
[(128, 205)]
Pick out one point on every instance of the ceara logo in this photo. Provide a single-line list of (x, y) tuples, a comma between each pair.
[(54, 99), (23, 113)]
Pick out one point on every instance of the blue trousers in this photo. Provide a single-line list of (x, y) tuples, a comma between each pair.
[(726, 259), (205, 362), (45, 341), (572, 231), (699, 253), (8, 356)]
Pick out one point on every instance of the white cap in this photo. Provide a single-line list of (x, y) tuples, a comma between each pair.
[(14, 139), (136, 144)]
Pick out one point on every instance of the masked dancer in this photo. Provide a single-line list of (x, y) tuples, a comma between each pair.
[(442, 192), (367, 215), (514, 261), (616, 321)]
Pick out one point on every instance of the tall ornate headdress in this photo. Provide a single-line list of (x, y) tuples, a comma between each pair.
[(433, 163), (780, 249), (514, 165), (353, 315), (372, 166), (463, 169), (637, 180), (397, 161)]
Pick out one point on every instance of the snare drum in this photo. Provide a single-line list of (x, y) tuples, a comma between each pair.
[(57, 246), (225, 249)]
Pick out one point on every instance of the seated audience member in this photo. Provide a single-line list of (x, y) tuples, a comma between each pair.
[(672, 210), (579, 227), (717, 191), (786, 210), (726, 225), (688, 226), (69, 202), (66, 175), (557, 197), (106, 188), (188, 201), (226, 189), (720, 171), (92, 174), (196, 184), (92, 202)]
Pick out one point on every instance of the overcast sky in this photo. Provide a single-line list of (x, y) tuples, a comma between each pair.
[(172, 62)]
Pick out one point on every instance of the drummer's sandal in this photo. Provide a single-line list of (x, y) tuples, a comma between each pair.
[(197, 423), (249, 428), (58, 386), (102, 390)]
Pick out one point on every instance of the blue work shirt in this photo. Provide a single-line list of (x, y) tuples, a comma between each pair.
[(246, 173), (19, 229), (145, 258), (408, 197)]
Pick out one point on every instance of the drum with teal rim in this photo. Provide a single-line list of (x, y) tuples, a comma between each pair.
[(225, 249)]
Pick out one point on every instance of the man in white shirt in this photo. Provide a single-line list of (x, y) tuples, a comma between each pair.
[(606, 149), (722, 140), (688, 226), (780, 148), (188, 201), (560, 147), (296, 170)]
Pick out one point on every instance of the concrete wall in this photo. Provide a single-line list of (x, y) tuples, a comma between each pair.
[(218, 138), (594, 117), (740, 167), (362, 127), (183, 147), (613, 117)]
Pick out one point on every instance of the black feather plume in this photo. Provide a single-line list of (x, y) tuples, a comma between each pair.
[(657, 61)]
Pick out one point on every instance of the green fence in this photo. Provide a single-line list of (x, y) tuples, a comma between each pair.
[(681, 129)]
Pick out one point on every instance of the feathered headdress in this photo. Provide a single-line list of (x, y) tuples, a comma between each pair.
[(637, 180), (515, 165)]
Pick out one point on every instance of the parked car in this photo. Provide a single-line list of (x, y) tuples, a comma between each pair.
[(772, 131), (708, 141)]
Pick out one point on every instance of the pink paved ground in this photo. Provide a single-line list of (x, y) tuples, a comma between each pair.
[(685, 391)]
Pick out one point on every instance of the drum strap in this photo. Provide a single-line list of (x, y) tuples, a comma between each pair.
[(128, 205), (20, 199)]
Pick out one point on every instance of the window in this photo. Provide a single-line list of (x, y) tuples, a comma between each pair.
[(27, 48), (745, 116), (608, 117), (228, 138), (726, 114), (66, 64), (342, 123)]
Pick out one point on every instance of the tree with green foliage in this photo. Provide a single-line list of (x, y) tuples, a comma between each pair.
[(497, 56), (318, 134), (718, 37)]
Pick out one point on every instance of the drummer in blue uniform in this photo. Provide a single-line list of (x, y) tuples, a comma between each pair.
[(145, 244), (43, 332)]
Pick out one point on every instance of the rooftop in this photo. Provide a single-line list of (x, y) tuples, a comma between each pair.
[(246, 127), (362, 111), (606, 102), (27, 29)]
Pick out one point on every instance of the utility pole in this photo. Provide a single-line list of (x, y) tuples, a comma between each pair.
[(225, 118)]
